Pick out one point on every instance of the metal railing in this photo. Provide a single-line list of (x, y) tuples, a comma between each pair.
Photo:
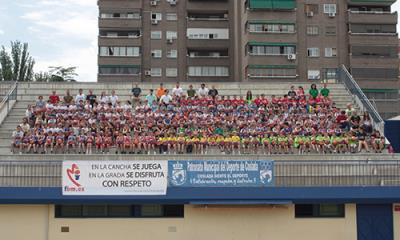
[(360, 98), (286, 173), (8, 100), (5, 87)]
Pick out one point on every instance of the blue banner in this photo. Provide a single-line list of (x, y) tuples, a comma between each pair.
[(217, 173)]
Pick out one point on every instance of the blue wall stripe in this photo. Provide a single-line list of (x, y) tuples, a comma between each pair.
[(370, 195)]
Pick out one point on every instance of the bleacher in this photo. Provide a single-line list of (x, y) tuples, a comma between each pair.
[(29, 92)]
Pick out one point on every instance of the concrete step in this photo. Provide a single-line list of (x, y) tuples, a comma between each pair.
[(32, 97), (218, 85), (6, 155)]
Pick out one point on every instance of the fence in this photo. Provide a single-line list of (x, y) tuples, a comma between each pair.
[(286, 173)]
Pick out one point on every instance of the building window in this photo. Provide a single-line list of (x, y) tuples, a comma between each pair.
[(156, 16), (208, 71), (171, 17), (330, 52), (156, 35), (312, 30), (118, 70), (208, 33), (330, 8), (319, 211), (173, 53), (119, 211), (156, 53), (330, 30), (156, 72), (171, 72), (373, 28), (271, 28), (272, 72), (313, 52), (314, 74), (127, 15), (330, 73), (119, 51), (271, 50), (171, 35)]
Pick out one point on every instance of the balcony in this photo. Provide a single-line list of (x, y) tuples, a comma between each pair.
[(207, 22), (215, 5), (112, 4), (119, 41), (271, 37), (281, 59), (373, 39), (204, 61), (113, 79), (105, 60), (371, 2), (207, 43), (272, 4), (373, 62), (372, 17), (120, 23)]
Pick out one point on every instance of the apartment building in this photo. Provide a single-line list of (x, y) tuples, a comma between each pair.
[(252, 41)]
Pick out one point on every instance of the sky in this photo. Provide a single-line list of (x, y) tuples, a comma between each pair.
[(59, 32)]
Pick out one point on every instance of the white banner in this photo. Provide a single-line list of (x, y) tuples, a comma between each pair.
[(114, 177)]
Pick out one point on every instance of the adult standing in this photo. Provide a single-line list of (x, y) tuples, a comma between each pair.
[(160, 91), (68, 98), (213, 92), (113, 98), (166, 98), (191, 92), (92, 98), (151, 98), (203, 91), (177, 91), (54, 98), (313, 91), (136, 91), (80, 96)]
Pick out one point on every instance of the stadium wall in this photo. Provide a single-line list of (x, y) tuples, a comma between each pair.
[(241, 222)]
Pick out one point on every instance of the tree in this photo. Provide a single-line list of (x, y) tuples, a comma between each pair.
[(60, 74), (6, 65), (16, 65), (42, 77)]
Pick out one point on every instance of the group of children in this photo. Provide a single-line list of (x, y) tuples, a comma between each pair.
[(295, 123)]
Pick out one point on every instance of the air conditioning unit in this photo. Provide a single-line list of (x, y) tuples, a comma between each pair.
[(291, 57), (331, 14), (147, 73), (310, 14), (173, 2), (154, 21), (170, 40), (153, 3)]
